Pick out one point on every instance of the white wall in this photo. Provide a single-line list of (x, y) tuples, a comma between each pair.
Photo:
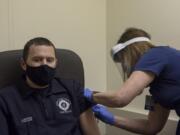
[(78, 25), (158, 17), (83, 25), (4, 24)]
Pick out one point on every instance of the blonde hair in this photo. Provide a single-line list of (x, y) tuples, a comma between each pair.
[(130, 55)]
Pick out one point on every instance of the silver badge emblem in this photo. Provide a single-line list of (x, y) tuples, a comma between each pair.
[(64, 105)]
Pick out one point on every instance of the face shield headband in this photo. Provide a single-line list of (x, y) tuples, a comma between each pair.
[(121, 46)]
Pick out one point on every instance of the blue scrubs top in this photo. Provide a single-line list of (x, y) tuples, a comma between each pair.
[(164, 62)]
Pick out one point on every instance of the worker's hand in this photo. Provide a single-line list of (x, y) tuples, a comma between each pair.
[(88, 94), (102, 113)]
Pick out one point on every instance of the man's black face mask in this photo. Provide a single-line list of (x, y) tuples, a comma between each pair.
[(41, 75)]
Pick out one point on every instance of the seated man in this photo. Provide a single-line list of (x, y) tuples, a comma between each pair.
[(41, 104)]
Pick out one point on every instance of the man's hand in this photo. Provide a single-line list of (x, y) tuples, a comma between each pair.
[(102, 113)]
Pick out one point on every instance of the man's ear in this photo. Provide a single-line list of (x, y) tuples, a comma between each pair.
[(23, 64)]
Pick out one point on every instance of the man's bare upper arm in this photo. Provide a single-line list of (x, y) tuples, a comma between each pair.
[(88, 123)]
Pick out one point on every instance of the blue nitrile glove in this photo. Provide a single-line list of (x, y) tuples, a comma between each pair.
[(88, 94), (102, 113)]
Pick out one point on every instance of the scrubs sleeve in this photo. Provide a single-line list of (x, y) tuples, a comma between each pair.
[(153, 61)]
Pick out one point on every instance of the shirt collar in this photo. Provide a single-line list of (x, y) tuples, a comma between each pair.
[(54, 88)]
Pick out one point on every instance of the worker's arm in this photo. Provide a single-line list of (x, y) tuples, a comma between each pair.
[(152, 125), (129, 90)]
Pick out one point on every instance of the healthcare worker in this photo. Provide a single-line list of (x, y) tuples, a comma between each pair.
[(144, 65)]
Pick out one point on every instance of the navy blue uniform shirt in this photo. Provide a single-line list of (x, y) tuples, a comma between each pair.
[(51, 111), (164, 62)]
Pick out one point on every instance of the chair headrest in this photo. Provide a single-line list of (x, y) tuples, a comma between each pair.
[(69, 66)]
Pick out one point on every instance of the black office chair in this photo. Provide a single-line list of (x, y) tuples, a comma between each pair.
[(69, 66)]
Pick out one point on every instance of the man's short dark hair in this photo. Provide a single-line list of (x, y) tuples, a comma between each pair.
[(38, 41)]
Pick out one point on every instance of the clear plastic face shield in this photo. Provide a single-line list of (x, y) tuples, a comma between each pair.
[(118, 63), (122, 64)]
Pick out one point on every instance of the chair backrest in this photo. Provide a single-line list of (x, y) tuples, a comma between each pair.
[(69, 66)]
